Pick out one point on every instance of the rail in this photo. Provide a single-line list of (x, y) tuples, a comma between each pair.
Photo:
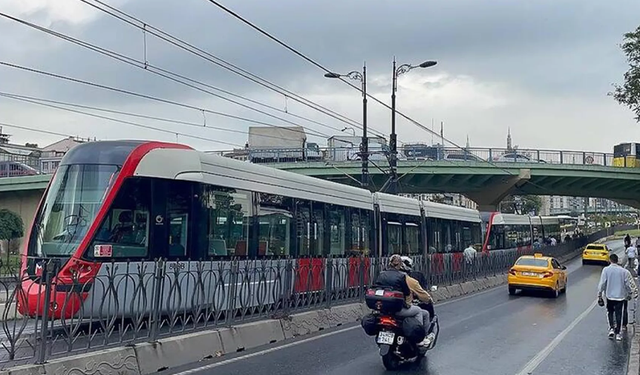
[(471, 155), (135, 302), (381, 153)]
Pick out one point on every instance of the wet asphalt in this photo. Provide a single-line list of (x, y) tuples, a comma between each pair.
[(490, 333)]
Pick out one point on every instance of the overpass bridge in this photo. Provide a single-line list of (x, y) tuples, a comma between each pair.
[(489, 183)]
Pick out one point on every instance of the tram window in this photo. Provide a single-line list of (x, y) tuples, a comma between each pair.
[(227, 214), (394, 237), (178, 215), (318, 231), (275, 217), (303, 227), (433, 241), (447, 235), (412, 238), (337, 229), (365, 227), (497, 238), (126, 225)]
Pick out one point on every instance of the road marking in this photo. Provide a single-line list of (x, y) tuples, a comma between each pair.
[(263, 352), (544, 353)]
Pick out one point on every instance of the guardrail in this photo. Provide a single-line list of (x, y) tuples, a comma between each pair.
[(136, 302), (472, 154), (407, 152)]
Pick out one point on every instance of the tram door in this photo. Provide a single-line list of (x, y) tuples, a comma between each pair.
[(171, 210)]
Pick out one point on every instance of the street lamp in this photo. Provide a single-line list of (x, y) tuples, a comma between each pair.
[(364, 145), (393, 157), (350, 128)]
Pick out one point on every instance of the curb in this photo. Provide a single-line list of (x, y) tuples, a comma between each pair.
[(171, 352), (633, 367)]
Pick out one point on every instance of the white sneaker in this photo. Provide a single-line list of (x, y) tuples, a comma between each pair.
[(611, 333), (619, 337)]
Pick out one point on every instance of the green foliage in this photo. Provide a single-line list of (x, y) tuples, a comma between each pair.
[(521, 204), (629, 93), (11, 225)]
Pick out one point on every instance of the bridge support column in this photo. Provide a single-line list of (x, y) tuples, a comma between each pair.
[(489, 199)]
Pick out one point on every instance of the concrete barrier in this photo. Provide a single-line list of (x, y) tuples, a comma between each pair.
[(148, 358)]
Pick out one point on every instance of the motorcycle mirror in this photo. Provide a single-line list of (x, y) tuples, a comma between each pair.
[(434, 288)]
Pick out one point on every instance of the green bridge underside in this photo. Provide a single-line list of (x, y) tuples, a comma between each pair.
[(469, 178), (620, 184)]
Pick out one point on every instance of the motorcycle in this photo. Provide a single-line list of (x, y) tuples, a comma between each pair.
[(397, 337)]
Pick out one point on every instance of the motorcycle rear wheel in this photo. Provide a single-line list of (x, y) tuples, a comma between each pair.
[(390, 361)]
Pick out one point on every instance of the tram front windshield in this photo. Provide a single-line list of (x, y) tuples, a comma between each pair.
[(72, 202)]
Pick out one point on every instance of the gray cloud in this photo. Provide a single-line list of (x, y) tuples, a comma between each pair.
[(544, 48)]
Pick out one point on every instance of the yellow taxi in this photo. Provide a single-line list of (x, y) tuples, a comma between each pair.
[(595, 253), (538, 272)]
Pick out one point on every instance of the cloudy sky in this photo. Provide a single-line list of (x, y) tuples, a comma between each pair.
[(542, 68)]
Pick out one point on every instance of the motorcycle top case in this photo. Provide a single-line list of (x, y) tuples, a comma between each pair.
[(384, 300)]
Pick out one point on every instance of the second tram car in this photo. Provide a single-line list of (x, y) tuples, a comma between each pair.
[(510, 231), (114, 208)]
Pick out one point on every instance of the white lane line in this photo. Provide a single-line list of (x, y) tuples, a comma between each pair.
[(544, 353), (262, 352)]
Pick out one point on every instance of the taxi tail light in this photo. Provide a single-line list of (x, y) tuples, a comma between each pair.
[(388, 321), (512, 272), (547, 274)]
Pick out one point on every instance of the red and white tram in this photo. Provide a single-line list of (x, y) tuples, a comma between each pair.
[(510, 231), (116, 206)]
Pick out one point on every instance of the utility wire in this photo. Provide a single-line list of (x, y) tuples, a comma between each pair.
[(136, 124), (27, 98), (144, 65), (131, 93), (36, 130), (147, 28), (313, 62)]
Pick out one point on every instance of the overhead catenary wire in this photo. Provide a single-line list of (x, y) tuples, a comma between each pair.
[(131, 123), (186, 46), (36, 130), (315, 63), (132, 93), (27, 98), (178, 78)]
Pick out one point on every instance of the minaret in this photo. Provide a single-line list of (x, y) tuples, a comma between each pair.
[(467, 146), (509, 139)]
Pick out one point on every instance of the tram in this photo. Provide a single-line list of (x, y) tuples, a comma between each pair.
[(114, 207), (511, 231)]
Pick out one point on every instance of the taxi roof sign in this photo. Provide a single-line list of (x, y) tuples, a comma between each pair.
[(538, 255)]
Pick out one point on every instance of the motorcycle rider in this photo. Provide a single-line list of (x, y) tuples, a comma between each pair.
[(394, 278), (416, 288)]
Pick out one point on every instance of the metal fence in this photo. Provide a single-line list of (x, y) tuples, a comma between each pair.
[(407, 152), (134, 302)]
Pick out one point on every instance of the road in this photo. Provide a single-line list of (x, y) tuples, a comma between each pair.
[(486, 333)]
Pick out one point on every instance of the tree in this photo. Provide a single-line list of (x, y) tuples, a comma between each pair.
[(521, 204), (11, 226), (629, 93)]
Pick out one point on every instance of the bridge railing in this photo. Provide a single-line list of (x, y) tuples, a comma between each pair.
[(471, 155), (126, 303), (418, 153)]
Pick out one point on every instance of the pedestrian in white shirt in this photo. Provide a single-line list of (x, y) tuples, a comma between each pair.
[(614, 283), (632, 253)]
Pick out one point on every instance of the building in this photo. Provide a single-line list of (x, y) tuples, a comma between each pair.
[(53, 153), (28, 154)]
